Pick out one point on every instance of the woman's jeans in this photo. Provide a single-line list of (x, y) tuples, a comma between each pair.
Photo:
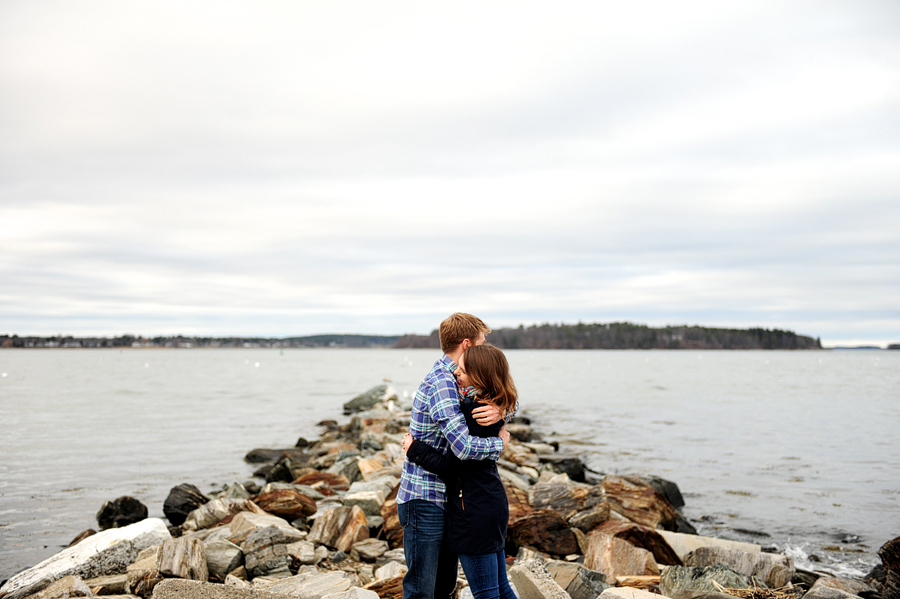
[(432, 572), (487, 575)]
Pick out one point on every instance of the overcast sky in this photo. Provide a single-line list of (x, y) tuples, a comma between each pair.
[(292, 168)]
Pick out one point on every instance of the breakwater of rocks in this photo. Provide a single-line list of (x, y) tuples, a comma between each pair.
[(319, 521)]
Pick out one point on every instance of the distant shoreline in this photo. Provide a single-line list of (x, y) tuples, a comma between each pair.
[(614, 335)]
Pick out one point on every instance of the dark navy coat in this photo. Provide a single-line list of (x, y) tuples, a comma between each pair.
[(477, 507)]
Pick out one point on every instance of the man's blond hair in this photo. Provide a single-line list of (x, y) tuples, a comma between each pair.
[(458, 327)]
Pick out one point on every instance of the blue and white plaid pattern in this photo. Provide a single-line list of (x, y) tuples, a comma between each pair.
[(437, 421)]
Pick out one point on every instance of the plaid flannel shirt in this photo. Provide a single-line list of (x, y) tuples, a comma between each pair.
[(437, 421)]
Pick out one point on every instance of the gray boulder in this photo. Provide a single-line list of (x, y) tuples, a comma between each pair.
[(107, 552)]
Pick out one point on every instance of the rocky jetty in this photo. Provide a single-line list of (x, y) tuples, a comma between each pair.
[(320, 522)]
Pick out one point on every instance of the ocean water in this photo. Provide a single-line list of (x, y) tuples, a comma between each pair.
[(796, 451)]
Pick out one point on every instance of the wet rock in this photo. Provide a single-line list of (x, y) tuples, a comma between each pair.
[(181, 501), (368, 550), (368, 399), (639, 503), (546, 531), (616, 557), (216, 510), (666, 488), (339, 528), (265, 552), (107, 552), (565, 464), (286, 503), (683, 544), (183, 558), (533, 581), (222, 557), (890, 559), (121, 512), (645, 538), (64, 588), (313, 586), (685, 578), (82, 536), (522, 432), (579, 582), (775, 570), (281, 472), (260, 455)]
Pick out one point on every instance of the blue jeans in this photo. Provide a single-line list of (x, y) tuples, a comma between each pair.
[(487, 575), (432, 572)]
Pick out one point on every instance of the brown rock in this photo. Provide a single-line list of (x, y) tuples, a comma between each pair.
[(588, 520), (890, 557), (393, 532), (643, 537), (64, 588), (108, 585), (82, 536), (339, 528), (518, 502), (183, 558), (338, 482), (389, 588), (639, 503), (559, 494), (142, 576), (616, 557), (544, 530), (289, 504)]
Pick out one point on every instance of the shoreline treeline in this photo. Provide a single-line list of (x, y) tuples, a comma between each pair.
[(614, 335)]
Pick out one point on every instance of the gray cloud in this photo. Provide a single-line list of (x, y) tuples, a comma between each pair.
[(294, 168)]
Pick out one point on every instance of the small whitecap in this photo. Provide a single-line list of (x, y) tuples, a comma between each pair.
[(146, 364), (256, 364), (3, 375)]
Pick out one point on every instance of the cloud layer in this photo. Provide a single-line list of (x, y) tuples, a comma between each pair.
[(297, 168)]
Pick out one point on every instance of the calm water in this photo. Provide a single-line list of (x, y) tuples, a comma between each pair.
[(796, 451)]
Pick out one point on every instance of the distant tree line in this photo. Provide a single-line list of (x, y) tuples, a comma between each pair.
[(613, 335), (180, 341), (626, 335)]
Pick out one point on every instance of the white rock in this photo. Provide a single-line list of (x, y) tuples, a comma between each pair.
[(312, 586), (683, 544), (390, 570), (369, 502), (107, 552), (353, 593), (626, 593), (533, 581)]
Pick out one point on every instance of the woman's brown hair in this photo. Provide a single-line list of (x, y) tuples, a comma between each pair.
[(489, 371)]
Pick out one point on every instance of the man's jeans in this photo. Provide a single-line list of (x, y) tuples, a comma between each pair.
[(487, 575), (432, 572)]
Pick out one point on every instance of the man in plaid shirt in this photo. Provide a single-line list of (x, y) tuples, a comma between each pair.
[(437, 420)]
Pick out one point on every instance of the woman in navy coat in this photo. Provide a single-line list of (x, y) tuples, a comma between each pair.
[(477, 507)]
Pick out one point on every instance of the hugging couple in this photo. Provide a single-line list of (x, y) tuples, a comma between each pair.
[(451, 503)]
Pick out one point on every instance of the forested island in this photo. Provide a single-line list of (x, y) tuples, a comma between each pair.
[(613, 335)]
